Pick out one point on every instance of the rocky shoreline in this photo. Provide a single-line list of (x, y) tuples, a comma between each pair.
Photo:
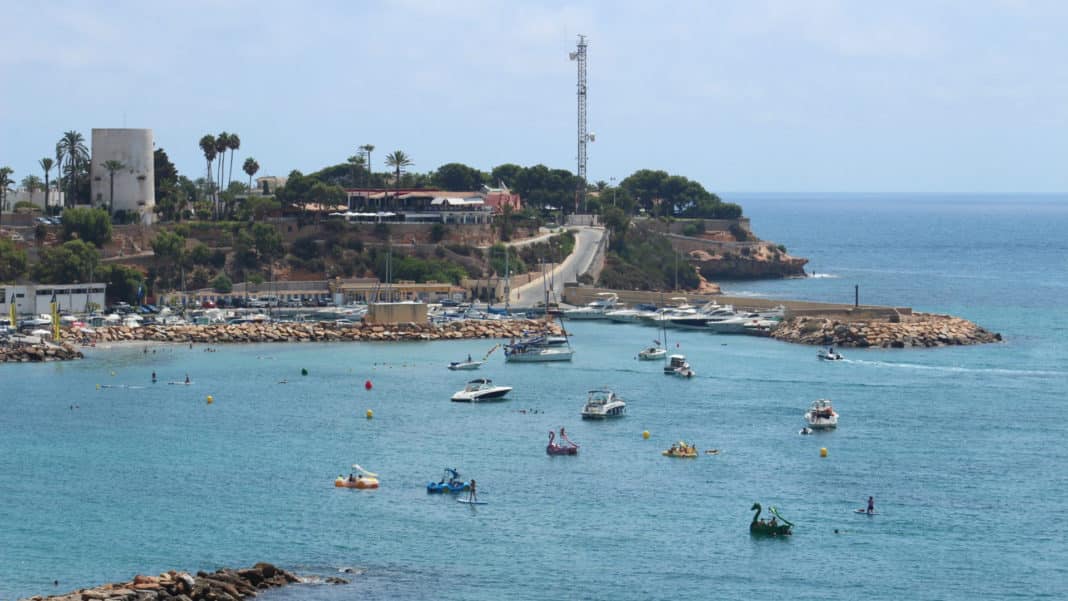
[(917, 330), (320, 332), (222, 585), (37, 352)]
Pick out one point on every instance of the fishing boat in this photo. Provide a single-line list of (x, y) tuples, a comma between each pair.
[(450, 482), (361, 479), (776, 526), (602, 403), (481, 389), (471, 364), (561, 448), (677, 366), (681, 449), (821, 415)]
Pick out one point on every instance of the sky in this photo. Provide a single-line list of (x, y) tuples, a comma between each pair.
[(746, 96)]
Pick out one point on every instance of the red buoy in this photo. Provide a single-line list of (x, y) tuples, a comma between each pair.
[(367, 385)]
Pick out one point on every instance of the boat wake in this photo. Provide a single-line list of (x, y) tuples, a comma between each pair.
[(823, 276), (957, 369)]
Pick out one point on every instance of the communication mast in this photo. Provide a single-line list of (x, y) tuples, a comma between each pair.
[(584, 136)]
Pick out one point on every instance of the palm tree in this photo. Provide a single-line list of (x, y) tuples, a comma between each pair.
[(46, 164), (222, 143), (73, 147), (232, 143), (398, 160), (250, 167), (207, 145), (112, 166), (368, 148), (5, 181), (358, 162)]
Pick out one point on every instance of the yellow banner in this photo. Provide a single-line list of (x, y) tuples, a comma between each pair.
[(12, 315), (55, 321)]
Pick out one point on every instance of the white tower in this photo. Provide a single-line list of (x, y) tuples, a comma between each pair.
[(134, 183), (584, 134)]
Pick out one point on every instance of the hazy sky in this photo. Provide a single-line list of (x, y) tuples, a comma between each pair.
[(798, 95)]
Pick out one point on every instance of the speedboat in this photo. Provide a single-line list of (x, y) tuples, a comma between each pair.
[(603, 403), (821, 415), (653, 353), (465, 365), (480, 389), (677, 366), (561, 448), (640, 313), (450, 483), (595, 309), (829, 355), (681, 449)]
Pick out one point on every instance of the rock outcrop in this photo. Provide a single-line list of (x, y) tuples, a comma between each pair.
[(42, 351), (916, 330), (758, 261), (221, 585)]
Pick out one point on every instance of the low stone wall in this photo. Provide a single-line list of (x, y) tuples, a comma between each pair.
[(221, 585), (26, 353), (322, 332), (915, 330)]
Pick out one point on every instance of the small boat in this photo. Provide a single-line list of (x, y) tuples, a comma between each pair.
[(677, 366), (524, 353), (481, 389), (653, 353), (566, 448), (450, 483), (772, 527), (681, 449), (471, 364), (829, 355), (603, 403), (821, 415), (362, 479)]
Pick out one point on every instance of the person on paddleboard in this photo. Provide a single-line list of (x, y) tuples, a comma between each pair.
[(473, 496), (871, 505)]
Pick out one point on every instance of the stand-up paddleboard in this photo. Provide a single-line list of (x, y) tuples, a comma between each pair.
[(470, 502), (865, 511), (180, 383)]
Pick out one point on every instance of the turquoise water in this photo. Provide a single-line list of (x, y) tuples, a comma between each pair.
[(962, 448)]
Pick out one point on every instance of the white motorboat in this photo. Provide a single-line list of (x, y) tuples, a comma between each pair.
[(481, 389), (638, 314), (821, 415), (829, 355), (603, 403), (465, 365), (677, 366), (653, 353), (595, 309)]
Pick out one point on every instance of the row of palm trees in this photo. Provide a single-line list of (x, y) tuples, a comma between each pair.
[(397, 159)]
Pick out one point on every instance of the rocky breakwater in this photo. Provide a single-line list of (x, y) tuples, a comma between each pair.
[(221, 585), (23, 352), (897, 331), (322, 332)]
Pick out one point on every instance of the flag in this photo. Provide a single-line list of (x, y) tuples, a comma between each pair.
[(13, 315), (55, 316)]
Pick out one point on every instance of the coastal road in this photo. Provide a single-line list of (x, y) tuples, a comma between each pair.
[(587, 241)]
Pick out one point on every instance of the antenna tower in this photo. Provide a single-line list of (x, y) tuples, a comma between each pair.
[(584, 135)]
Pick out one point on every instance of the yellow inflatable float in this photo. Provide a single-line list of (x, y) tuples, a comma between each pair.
[(681, 449)]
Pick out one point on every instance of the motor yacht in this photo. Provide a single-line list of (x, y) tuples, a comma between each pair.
[(481, 389), (677, 366), (641, 313), (603, 403), (596, 309)]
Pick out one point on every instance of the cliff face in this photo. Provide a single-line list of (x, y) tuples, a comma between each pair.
[(753, 261)]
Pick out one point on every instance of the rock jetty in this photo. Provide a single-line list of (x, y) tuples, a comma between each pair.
[(221, 585), (898, 331), (19, 352), (321, 332)]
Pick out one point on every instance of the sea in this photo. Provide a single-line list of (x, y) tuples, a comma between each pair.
[(104, 475)]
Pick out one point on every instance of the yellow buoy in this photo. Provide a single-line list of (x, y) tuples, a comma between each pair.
[(98, 386), (823, 452), (645, 434), (211, 399), (370, 414)]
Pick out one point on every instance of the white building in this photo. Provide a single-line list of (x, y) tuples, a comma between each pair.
[(135, 182), (35, 299), (55, 198)]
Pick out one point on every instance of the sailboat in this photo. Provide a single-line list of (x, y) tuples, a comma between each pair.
[(657, 351)]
